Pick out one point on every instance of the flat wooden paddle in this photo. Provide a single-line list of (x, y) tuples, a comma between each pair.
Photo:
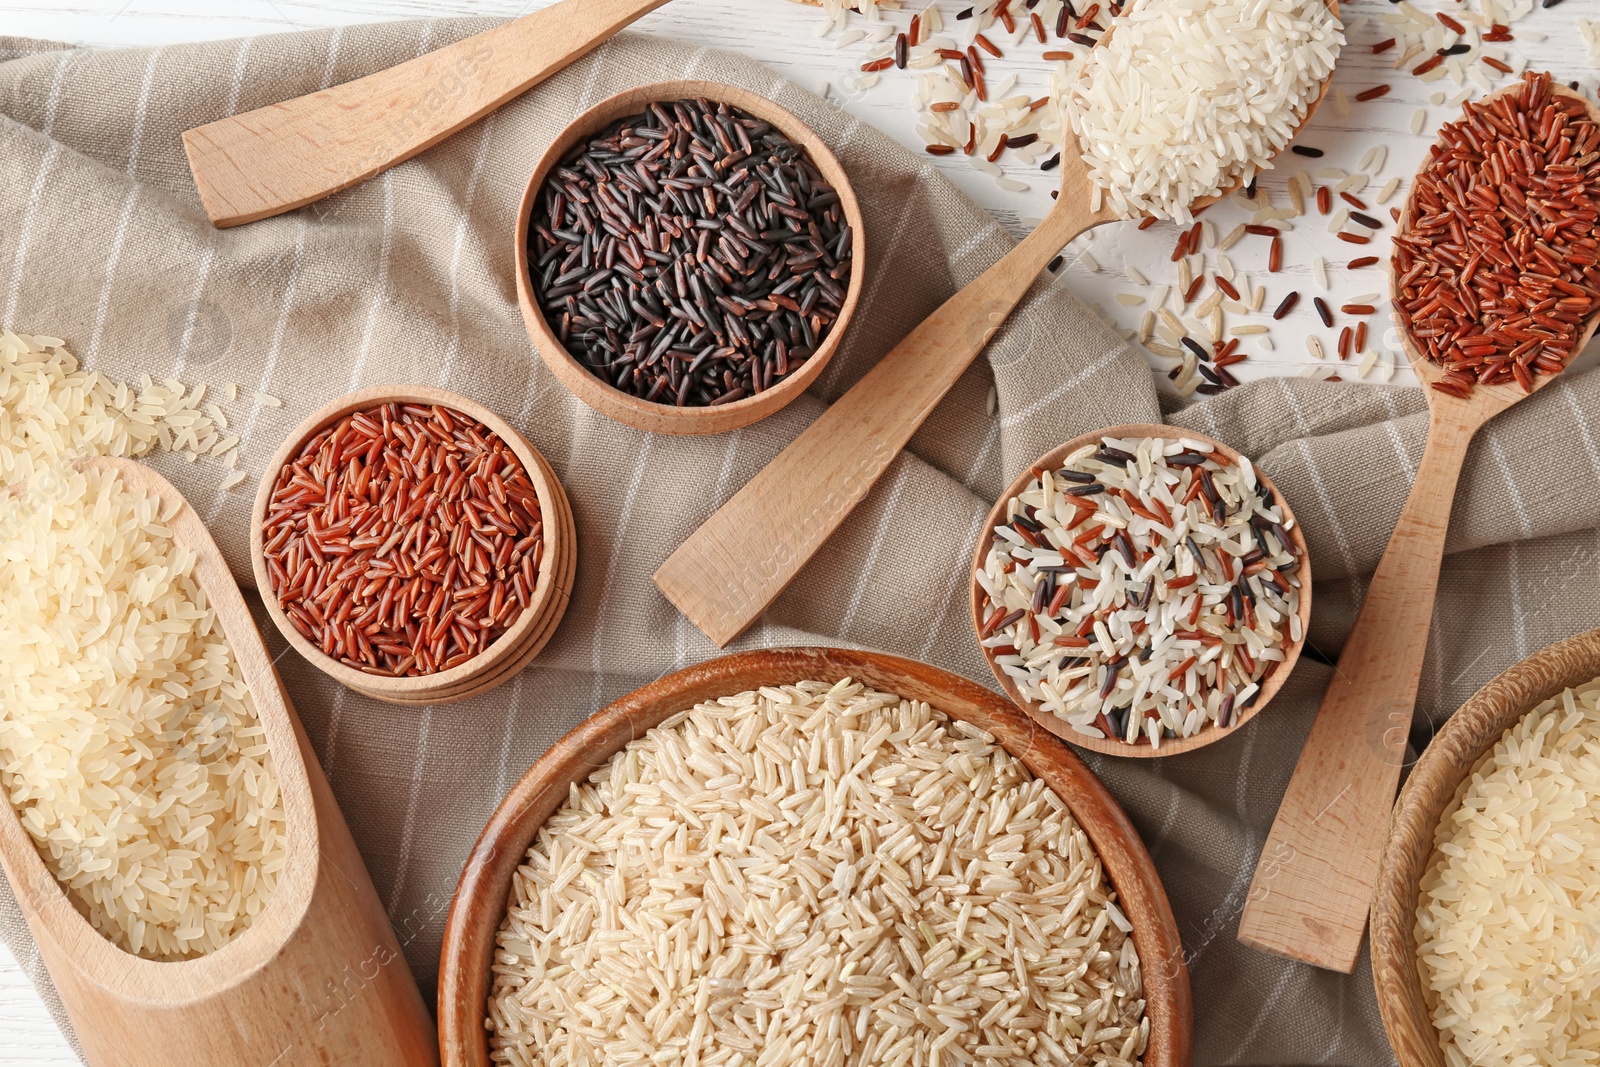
[(730, 569), (283, 156), (1313, 885)]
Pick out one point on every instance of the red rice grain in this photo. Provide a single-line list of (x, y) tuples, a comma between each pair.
[(403, 540), (1497, 269)]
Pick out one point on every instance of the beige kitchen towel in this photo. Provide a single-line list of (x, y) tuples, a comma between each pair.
[(408, 278)]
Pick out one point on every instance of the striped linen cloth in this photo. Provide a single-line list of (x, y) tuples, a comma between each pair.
[(408, 278)]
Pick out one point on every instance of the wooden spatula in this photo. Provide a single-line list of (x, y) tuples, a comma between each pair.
[(283, 156), (732, 567), (1311, 890)]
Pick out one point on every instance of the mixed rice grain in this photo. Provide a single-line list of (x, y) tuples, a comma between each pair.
[(1143, 590)]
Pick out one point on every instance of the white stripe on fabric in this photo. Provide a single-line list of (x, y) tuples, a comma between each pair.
[(959, 576), (972, 244), (836, 368), (1167, 821), (618, 546), (1007, 421), (879, 536), (1241, 882), (328, 64), (1504, 463), (513, 708), (274, 347), (1265, 1012), (1400, 450), (140, 109), (52, 102), (408, 832), (1578, 416), (119, 236), (1437, 642), (695, 60), (334, 715), (1210, 412), (471, 191), (36, 194), (1327, 508), (25, 234), (208, 257), (236, 86), (959, 580), (380, 287), (1392, 428), (1294, 406), (1514, 583), (990, 439)]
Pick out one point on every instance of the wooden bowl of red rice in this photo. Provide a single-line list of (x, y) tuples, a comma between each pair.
[(530, 628), (475, 953)]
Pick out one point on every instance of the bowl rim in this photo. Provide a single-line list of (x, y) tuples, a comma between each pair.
[(1429, 792), (466, 951), (1271, 683), (551, 592), (651, 415)]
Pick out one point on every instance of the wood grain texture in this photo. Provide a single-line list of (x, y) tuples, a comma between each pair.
[(1430, 793), (480, 900), (1310, 893), (1270, 683), (287, 155), (734, 566), (667, 418), (515, 648), (317, 978)]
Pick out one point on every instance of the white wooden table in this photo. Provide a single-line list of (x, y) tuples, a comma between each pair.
[(784, 37)]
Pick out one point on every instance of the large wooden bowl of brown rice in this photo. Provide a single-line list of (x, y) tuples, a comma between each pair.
[(1506, 788), (937, 918)]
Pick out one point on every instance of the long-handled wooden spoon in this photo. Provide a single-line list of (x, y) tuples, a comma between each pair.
[(317, 978), (1312, 888), (730, 569), (283, 156)]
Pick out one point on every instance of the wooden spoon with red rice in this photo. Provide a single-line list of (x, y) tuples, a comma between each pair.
[(1496, 283)]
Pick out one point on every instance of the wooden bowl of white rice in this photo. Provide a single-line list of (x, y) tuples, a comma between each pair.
[(1486, 918), (788, 855)]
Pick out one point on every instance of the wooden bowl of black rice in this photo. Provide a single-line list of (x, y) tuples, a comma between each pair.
[(688, 257)]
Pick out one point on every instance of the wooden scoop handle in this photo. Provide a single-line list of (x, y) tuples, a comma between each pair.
[(729, 570), (1313, 885), (283, 156)]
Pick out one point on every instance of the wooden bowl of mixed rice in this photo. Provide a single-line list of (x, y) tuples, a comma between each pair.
[(1204, 600), (1487, 905), (633, 895)]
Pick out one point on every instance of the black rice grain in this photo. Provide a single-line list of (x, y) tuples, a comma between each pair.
[(691, 255)]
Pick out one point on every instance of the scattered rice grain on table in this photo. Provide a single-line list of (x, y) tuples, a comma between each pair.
[(814, 874)]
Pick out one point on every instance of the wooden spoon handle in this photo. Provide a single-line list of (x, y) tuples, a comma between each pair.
[(732, 567), (1313, 885), (283, 156)]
